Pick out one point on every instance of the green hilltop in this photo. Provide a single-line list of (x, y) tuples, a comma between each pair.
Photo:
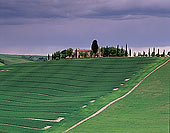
[(15, 59), (35, 94), (146, 110)]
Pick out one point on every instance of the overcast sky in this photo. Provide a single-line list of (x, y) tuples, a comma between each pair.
[(44, 26)]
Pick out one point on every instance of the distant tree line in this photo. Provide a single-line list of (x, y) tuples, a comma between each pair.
[(34, 58), (105, 51), (149, 54), (112, 51), (62, 54), (2, 61)]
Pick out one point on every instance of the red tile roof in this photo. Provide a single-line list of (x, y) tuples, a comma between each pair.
[(83, 50)]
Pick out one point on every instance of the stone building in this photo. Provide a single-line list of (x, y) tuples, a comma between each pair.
[(88, 53)]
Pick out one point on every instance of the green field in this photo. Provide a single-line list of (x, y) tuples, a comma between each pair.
[(146, 110), (15, 59), (49, 90), (1, 64)]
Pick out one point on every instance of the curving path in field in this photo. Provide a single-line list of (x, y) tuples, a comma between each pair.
[(116, 99)]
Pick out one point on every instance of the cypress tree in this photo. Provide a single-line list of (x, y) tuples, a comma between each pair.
[(164, 53), (122, 52), (126, 53), (134, 54), (153, 53), (76, 53), (95, 47), (130, 52), (143, 53), (117, 52), (139, 54), (149, 52), (158, 51), (52, 57), (48, 57)]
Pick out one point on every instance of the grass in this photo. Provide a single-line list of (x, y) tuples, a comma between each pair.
[(15, 59), (1, 64), (48, 90), (146, 110), (12, 59)]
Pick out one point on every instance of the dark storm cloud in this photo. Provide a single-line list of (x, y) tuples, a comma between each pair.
[(31, 11), (110, 13)]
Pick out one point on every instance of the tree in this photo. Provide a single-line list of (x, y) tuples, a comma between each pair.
[(130, 52), (94, 47), (164, 52), (69, 52), (134, 54), (81, 53), (139, 54), (149, 52), (122, 52), (48, 57), (64, 54), (117, 51), (102, 50), (97, 54), (85, 54), (58, 54), (144, 54), (54, 56), (153, 53), (158, 53), (169, 53), (106, 51), (91, 53), (73, 55), (126, 52), (76, 53), (163, 55), (112, 51)]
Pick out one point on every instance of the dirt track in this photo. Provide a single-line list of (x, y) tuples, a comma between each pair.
[(99, 111)]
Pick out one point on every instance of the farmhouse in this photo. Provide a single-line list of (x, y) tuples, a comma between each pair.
[(83, 51), (79, 51)]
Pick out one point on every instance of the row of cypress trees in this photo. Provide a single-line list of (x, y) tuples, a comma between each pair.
[(110, 51), (152, 54), (105, 52)]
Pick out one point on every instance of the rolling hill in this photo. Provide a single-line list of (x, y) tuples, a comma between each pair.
[(146, 110), (51, 96), (1, 64), (15, 59)]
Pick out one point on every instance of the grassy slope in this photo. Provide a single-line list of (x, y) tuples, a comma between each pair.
[(15, 59), (146, 110), (1, 64), (64, 88), (12, 59), (102, 101)]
